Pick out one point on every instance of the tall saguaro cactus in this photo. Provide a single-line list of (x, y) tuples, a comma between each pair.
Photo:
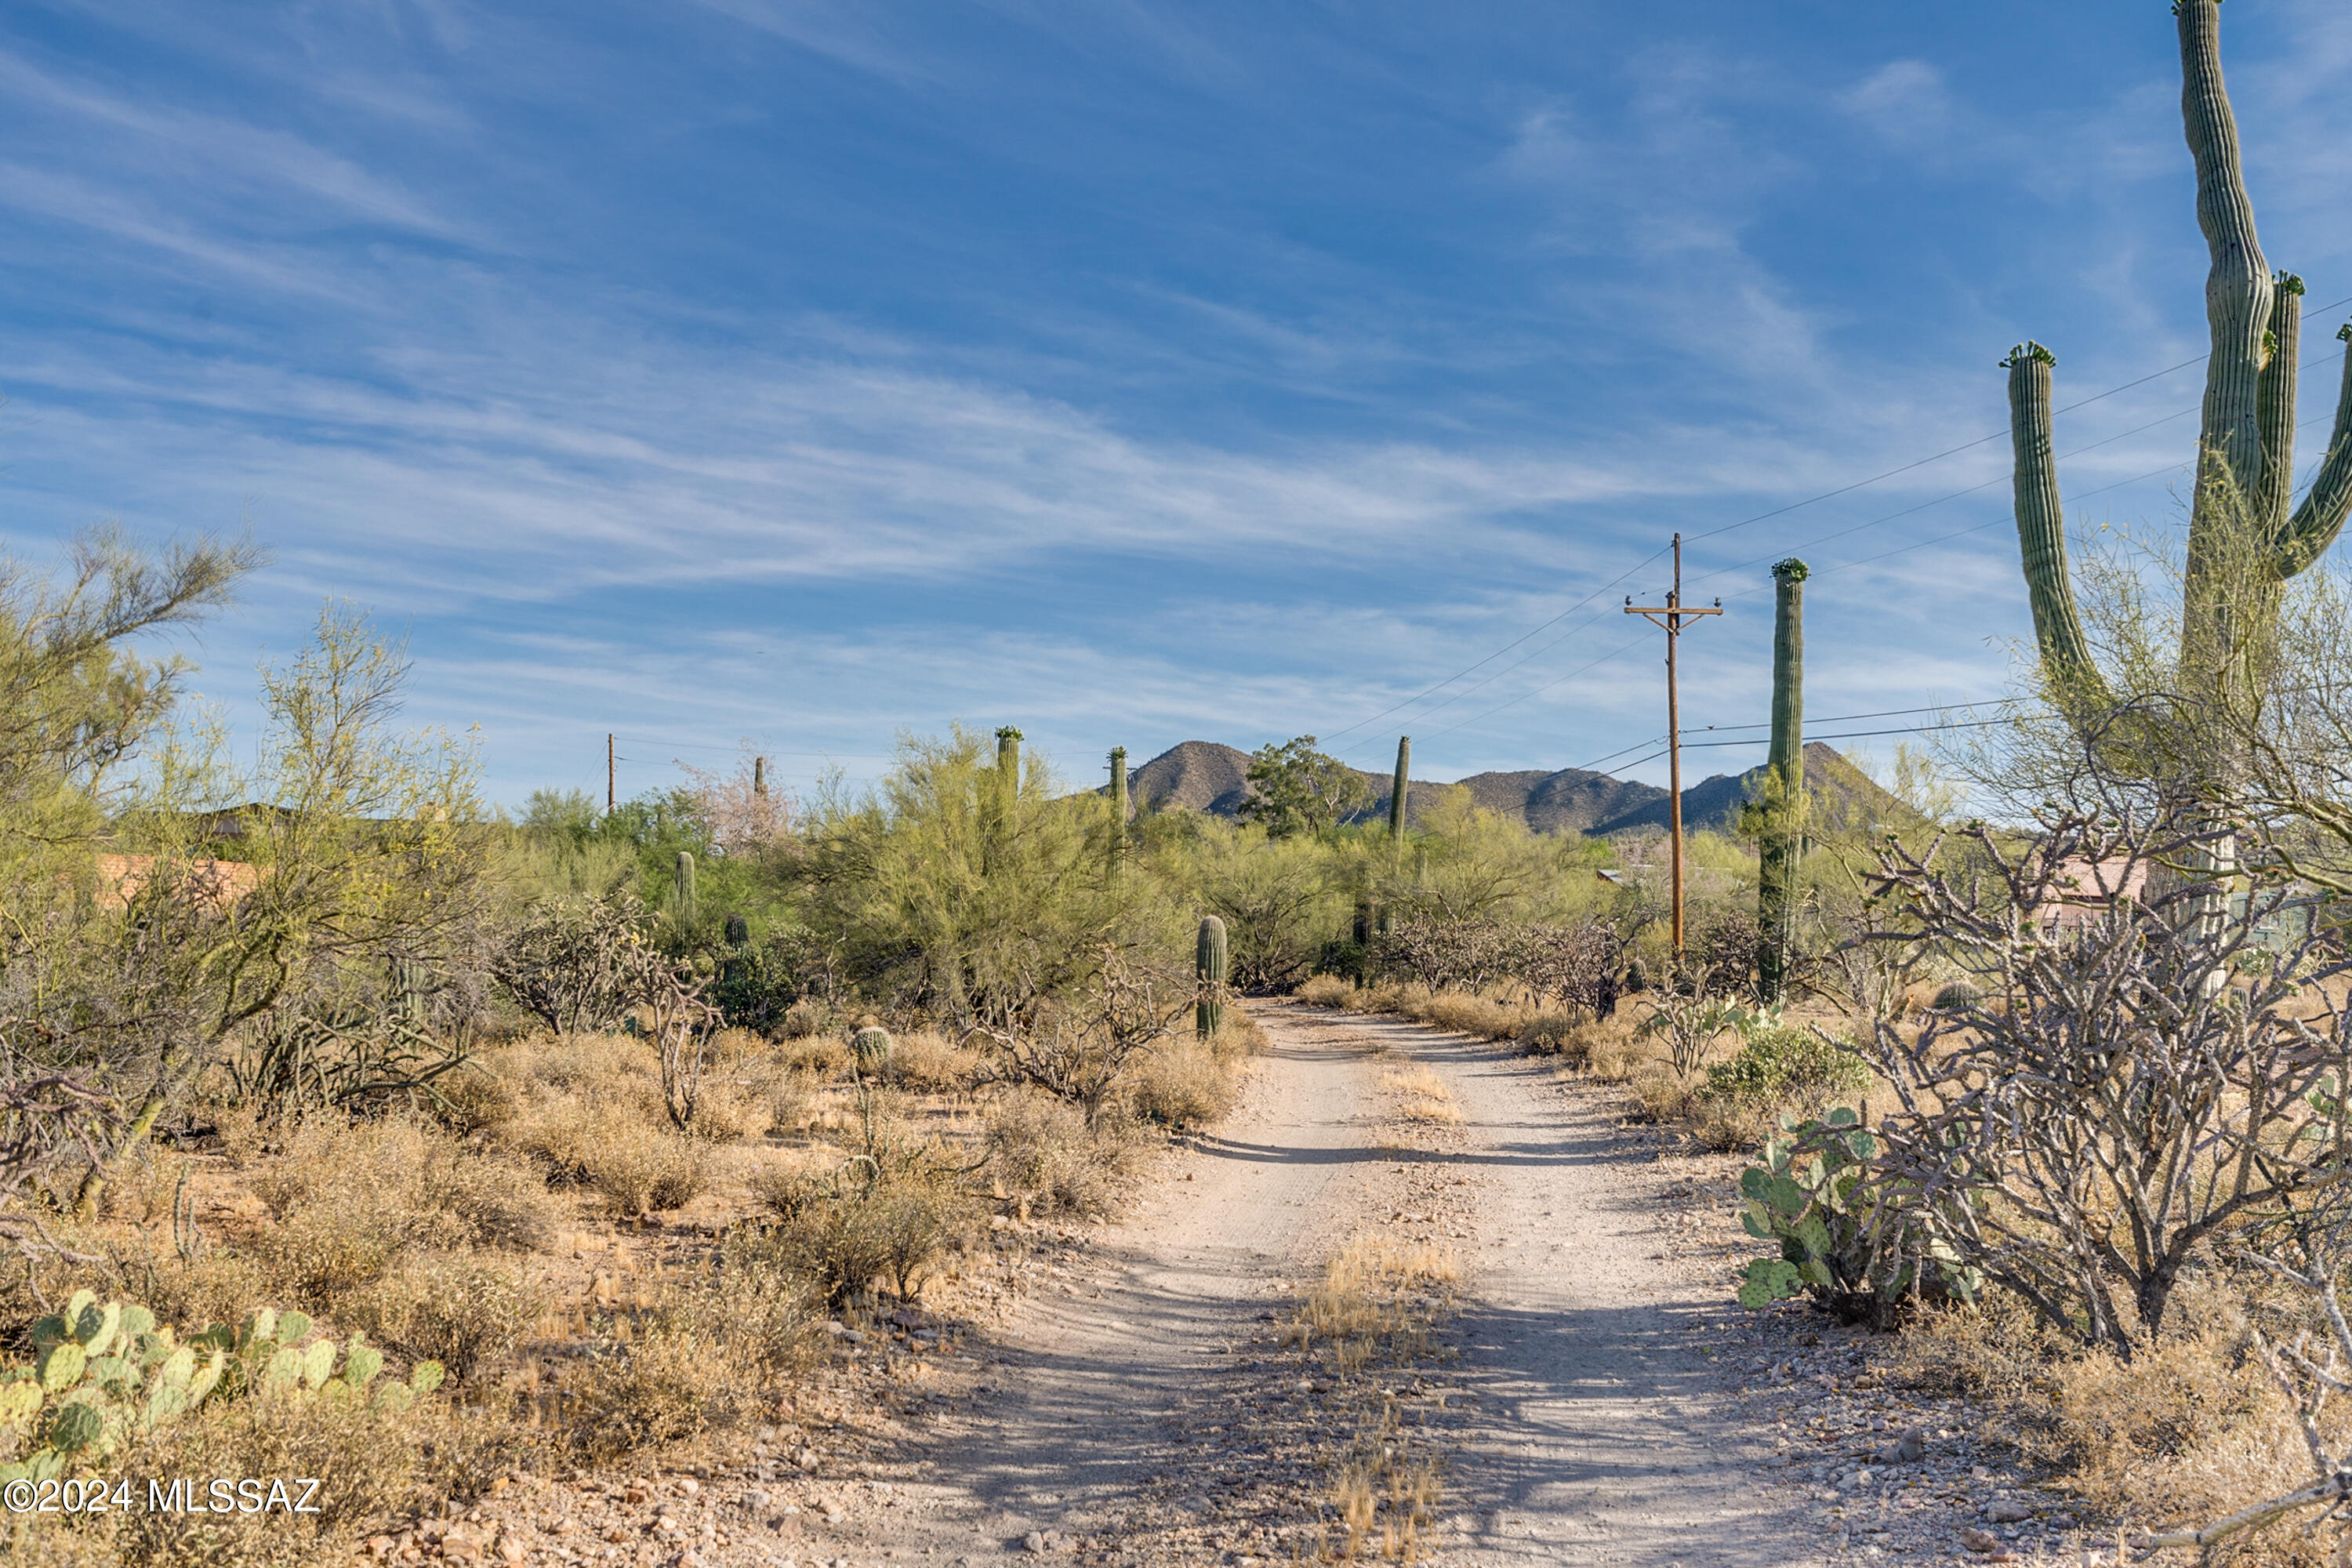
[(1117, 808), (2246, 535), (1000, 806), (1397, 792), (1209, 968), (1784, 789), (681, 889)]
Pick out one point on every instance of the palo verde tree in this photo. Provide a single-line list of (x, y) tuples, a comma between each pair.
[(2247, 534)]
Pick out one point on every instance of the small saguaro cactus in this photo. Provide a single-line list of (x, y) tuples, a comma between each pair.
[(1117, 808), (1784, 786), (871, 1045), (1397, 792), (759, 776), (682, 888), (738, 930), (1209, 966)]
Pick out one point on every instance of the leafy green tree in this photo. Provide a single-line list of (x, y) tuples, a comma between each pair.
[(978, 897), (1294, 788)]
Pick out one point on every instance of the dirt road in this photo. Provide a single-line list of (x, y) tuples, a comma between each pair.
[(1139, 1411)]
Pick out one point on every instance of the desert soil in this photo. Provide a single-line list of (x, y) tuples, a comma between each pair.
[(1125, 1395)]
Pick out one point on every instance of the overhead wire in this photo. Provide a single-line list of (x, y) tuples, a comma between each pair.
[(1780, 511)]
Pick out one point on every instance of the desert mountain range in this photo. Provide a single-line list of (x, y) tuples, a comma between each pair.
[(1206, 776)]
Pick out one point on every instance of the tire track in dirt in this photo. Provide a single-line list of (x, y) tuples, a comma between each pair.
[(1139, 1411), (1600, 1431)]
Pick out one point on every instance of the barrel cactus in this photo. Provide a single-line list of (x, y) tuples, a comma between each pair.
[(871, 1048), (1209, 968), (1957, 997)]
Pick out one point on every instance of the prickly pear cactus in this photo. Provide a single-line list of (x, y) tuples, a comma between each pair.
[(104, 1374), (1808, 1195)]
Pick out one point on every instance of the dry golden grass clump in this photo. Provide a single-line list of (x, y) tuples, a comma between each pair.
[(639, 1164), (2190, 1430), (1378, 1300), (1376, 1304), (1424, 1096), (927, 1061), (395, 1228)]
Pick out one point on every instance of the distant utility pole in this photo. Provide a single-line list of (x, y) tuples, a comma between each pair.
[(1670, 616), (611, 776)]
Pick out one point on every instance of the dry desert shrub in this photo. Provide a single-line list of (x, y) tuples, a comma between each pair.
[(2187, 1431), (1184, 1083), (349, 1199), (1042, 1153), (1329, 990), (466, 1309), (619, 1147), (720, 1347), (927, 1061)]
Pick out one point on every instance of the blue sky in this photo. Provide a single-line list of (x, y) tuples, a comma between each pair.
[(799, 373)]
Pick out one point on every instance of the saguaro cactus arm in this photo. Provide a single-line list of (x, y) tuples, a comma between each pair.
[(2238, 286), (2042, 518), (2275, 403), (2320, 518)]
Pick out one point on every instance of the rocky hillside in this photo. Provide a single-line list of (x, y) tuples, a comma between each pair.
[(1204, 776)]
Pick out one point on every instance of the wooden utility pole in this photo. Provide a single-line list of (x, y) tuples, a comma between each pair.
[(1670, 616), (611, 777)]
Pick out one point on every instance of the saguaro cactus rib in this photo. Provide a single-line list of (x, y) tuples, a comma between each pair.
[(2275, 399)]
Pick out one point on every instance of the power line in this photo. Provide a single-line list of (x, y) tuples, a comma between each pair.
[(1501, 651), (1783, 510)]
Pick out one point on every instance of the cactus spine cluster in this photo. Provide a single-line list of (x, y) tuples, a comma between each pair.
[(1784, 784), (1397, 788), (2246, 536), (681, 889), (1117, 808), (1209, 968)]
